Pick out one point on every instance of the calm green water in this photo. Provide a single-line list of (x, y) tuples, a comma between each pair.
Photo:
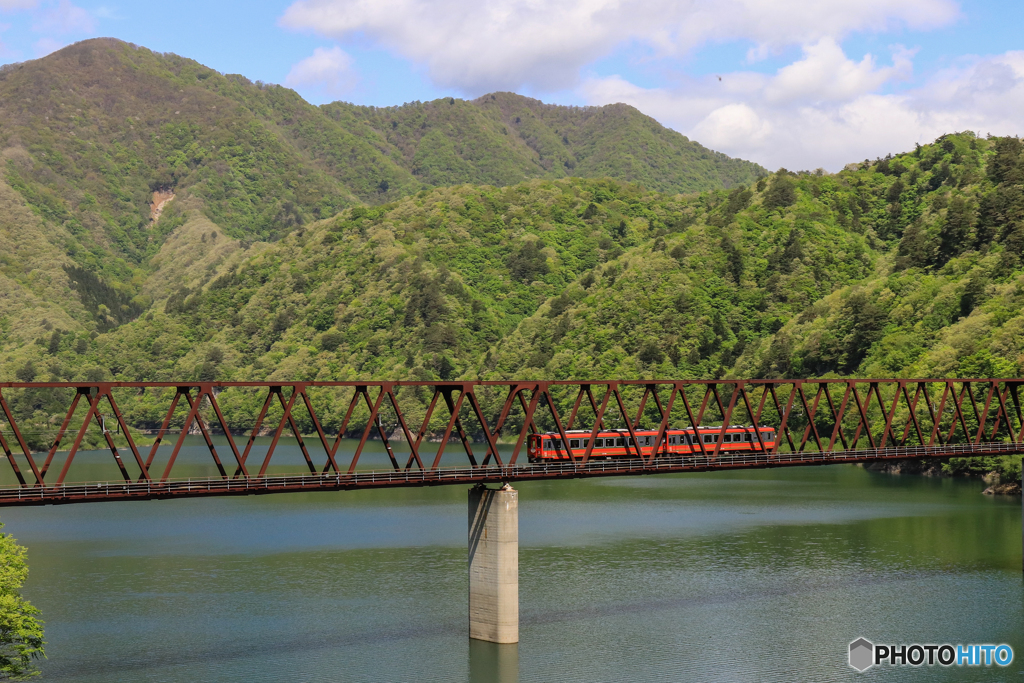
[(742, 576)]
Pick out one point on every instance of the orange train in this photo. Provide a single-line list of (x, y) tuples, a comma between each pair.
[(610, 444)]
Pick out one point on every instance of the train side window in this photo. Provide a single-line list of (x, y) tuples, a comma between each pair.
[(749, 437), (574, 443), (598, 443), (618, 441), (708, 438)]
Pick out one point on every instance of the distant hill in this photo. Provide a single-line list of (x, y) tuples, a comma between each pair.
[(909, 265), (912, 265), (503, 138), (91, 132)]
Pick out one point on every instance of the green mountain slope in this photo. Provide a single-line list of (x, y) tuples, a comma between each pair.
[(948, 301), (91, 132), (504, 138), (910, 266)]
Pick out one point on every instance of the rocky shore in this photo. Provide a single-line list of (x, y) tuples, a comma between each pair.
[(932, 467)]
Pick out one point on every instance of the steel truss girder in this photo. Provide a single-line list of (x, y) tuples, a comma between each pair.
[(881, 414)]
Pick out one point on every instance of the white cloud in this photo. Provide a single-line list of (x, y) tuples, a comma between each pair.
[(825, 74), (480, 45), (65, 18), (329, 71), (10, 5), (824, 110)]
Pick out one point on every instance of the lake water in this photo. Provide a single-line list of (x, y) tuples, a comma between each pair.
[(760, 575)]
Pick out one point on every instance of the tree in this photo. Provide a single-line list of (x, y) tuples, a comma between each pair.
[(955, 230), (26, 373), (781, 193), (21, 632), (650, 354)]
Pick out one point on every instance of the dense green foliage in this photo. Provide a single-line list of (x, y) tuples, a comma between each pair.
[(88, 134), (503, 138), (21, 632), (906, 266)]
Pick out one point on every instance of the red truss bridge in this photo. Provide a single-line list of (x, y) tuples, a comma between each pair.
[(434, 433)]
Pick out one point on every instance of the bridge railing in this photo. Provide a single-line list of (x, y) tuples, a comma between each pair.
[(145, 425), (198, 487)]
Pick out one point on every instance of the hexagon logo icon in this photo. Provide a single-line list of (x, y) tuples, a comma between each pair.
[(861, 654)]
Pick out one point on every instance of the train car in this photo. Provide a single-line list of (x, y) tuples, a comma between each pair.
[(611, 444)]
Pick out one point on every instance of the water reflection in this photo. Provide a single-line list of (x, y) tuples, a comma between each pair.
[(730, 576), (493, 662)]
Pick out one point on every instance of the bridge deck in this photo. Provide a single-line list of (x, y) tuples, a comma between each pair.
[(198, 487)]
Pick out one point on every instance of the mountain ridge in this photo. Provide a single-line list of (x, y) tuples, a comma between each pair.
[(89, 133)]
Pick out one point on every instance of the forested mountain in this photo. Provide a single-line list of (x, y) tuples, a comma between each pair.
[(310, 242), (909, 266), (90, 133)]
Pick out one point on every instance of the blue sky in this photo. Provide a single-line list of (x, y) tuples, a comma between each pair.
[(804, 83)]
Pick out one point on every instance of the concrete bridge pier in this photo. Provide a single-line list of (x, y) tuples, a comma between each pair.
[(494, 564)]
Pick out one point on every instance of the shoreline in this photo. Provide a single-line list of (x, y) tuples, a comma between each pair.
[(932, 467)]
